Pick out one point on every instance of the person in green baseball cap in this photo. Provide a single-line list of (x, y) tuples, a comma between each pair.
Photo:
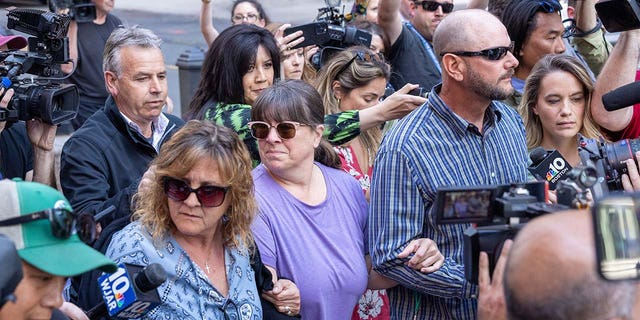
[(41, 223)]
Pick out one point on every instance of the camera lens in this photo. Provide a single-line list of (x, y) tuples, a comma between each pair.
[(621, 151)]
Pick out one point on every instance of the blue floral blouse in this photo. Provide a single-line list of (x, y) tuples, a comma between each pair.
[(187, 293)]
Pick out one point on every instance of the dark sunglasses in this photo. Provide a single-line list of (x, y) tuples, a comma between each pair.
[(285, 129), (209, 196), (549, 6), (433, 6), (361, 56), (63, 223), (492, 54)]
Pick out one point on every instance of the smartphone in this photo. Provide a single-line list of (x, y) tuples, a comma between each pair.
[(315, 33), (420, 92)]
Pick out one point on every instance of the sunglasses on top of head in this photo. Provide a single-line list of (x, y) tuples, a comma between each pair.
[(361, 56), (286, 129), (433, 6), (63, 223), (492, 54)]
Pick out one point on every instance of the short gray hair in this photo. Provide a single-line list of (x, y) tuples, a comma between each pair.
[(125, 37)]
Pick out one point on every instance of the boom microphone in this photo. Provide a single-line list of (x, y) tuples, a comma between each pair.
[(130, 292), (622, 97), (549, 166)]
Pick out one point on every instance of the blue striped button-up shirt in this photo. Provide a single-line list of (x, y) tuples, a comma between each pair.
[(430, 148)]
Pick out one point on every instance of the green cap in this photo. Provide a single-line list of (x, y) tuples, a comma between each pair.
[(34, 240)]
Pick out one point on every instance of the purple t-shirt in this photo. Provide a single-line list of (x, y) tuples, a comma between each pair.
[(321, 248)]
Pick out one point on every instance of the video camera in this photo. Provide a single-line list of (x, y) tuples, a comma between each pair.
[(499, 212), (40, 95), (619, 15), (78, 10), (330, 33)]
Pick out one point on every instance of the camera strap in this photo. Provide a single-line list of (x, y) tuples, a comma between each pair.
[(427, 47)]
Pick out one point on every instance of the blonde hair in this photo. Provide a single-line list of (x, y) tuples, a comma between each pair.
[(195, 141), (357, 74), (545, 66)]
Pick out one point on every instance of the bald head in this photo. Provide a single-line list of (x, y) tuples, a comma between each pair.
[(551, 273), (465, 30)]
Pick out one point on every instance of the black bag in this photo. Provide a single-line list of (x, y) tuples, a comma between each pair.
[(264, 281)]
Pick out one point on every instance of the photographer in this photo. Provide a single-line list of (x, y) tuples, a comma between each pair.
[(410, 51), (550, 274), (48, 252), (86, 44), (619, 70), (26, 150)]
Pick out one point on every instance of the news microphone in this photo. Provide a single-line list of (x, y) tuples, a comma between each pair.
[(130, 292), (549, 166), (11, 270), (622, 97)]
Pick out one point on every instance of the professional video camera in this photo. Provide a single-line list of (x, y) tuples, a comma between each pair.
[(78, 10), (619, 15), (608, 160), (330, 33), (499, 212), (39, 95)]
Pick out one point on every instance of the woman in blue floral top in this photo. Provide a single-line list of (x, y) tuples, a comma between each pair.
[(193, 215)]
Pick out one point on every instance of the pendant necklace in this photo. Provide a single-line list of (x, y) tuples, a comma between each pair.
[(206, 264)]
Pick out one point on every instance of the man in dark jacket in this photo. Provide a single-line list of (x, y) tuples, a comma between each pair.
[(103, 162)]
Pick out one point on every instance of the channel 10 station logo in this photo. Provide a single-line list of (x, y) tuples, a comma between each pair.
[(117, 290), (557, 168)]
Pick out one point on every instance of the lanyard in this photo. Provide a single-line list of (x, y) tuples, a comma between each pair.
[(426, 46)]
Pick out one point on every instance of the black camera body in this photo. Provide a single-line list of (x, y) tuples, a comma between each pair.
[(608, 159), (79, 10), (499, 212), (619, 15), (330, 33), (35, 75)]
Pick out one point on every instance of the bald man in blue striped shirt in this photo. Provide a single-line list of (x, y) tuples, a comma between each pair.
[(461, 136)]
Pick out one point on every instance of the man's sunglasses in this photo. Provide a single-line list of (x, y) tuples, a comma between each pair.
[(549, 6), (63, 223), (492, 54), (285, 129), (433, 6), (209, 196)]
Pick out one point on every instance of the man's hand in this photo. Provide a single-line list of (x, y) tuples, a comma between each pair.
[(42, 135), (285, 296), (4, 102), (631, 179), (491, 303), (426, 256), (147, 179), (73, 312)]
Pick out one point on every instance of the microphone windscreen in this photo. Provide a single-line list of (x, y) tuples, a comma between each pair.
[(150, 278), (622, 97), (537, 155)]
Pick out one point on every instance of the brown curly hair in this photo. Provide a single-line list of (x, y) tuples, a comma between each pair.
[(195, 141)]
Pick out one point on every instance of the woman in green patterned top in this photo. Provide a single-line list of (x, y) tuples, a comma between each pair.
[(243, 61)]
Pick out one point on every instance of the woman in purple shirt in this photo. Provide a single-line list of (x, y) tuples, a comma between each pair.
[(312, 216)]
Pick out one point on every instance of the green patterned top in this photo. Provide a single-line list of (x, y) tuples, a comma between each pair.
[(340, 128)]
